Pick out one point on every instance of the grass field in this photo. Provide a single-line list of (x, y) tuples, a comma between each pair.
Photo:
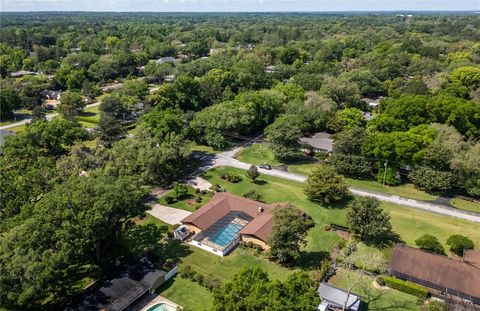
[(260, 153), (376, 297), (409, 223), (188, 203), (465, 205)]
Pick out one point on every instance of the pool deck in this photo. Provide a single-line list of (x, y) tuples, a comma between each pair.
[(160, 299)]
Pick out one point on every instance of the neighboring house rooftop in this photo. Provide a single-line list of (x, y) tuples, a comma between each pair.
[(51, 95), (167, 59), (372, 102), (320, 141), (119, 293), (437, 271), (337, 297), (224, 203), (21, 73)]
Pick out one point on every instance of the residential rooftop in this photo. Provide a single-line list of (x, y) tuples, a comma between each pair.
[(436, 271)]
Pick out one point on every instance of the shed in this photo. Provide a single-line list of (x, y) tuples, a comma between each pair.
[(334, 297)]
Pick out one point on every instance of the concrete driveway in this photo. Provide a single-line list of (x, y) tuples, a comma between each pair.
[(167, 214)]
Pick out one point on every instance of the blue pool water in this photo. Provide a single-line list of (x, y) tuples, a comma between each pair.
[(162, 307), (227, 234)]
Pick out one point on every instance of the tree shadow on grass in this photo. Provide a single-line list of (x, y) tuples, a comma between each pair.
[(261, 182), (172, 250), (371, 297), (385, 240), (311, 260)]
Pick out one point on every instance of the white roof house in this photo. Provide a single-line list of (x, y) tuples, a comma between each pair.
[(167, 59), (334, 297), (320, 141)]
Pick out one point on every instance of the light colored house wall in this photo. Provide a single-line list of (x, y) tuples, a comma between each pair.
[(193, 229), (247, 239)]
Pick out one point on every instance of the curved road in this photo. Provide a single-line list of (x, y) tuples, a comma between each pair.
[(48, 117), (227, 159)]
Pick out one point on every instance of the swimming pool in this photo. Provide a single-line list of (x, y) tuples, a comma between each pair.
[(227, 234), (162, 307)]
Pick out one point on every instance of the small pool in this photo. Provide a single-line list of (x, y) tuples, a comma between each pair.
[(227, 234), (162, 307)]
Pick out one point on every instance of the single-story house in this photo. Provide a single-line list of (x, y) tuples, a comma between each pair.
[(334, 298), (441, 274), (52, 98), (319, 142), (167, 59), (112, 87), (124, 290), (372, 102), (227, 219)]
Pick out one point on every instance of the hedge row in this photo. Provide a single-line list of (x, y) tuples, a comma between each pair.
[(406, 287)]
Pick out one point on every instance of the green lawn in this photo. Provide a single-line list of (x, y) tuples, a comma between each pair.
[(409, 223), (188, 204), (17, 128), (89, 117), (260, 153), (204, 149), (376, 297), (466, 205), (406, 190)]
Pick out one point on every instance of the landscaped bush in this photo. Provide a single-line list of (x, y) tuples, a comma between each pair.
[(252, 195), (197, 190), (406, 287), (180, 191), (459, 243), (169, 199), (198, 199), (188, 273), (327, 228), (255, 247), (233, 178), (319, 274)]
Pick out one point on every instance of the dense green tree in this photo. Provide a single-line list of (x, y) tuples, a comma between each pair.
[(428, 179), (367, 219), (430, 243), (136, 88), (251, 289), (112, 117), (459, 243), (325, 186), (284, 134), (10, 101), (253, 173), (160, 123), (289, 233), (75, 222), (343, 92), (348, 118), (71, 104), (467, 76)]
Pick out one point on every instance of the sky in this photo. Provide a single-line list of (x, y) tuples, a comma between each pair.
[(238, 5)]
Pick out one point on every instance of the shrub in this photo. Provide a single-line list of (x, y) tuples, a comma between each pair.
[(380, 281), (169, 199), (252, 195), (458, 243), (233, 178), (180, 191), (327, 228), (319, 274), (406, 287), (198, 199), (197, 190), (430, 243)]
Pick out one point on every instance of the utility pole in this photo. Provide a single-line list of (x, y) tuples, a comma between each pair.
[(385, 172)]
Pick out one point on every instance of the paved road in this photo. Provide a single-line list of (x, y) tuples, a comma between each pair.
[(48, 117), (227, 159)]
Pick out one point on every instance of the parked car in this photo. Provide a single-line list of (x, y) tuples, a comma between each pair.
[(266, 166)]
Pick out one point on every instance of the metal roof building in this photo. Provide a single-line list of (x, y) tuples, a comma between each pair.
[(334, 297)]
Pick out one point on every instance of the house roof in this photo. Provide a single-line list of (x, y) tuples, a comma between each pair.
[(223, 203), (167, 59), (320, 140), (440, 270), (338, 296), (472, 257)]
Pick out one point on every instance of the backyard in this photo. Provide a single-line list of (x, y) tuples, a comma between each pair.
[(408, 223)]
